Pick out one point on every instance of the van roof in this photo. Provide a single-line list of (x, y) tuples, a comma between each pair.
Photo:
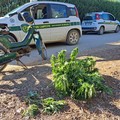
[(53, 2), (22, 7)]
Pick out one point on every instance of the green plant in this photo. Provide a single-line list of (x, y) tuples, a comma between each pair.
[(33, 98), (31, 111), (77, 78), (50, 105)]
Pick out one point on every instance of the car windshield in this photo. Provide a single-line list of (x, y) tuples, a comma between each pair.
[(88, 18)]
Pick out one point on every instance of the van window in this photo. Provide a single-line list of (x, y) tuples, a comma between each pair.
[(105, 16), (58, 11), (40, 11), (72, 11), (111, 17), (88, 18)]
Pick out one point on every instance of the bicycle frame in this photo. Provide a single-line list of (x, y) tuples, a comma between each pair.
[(18, 45), (14, 50)]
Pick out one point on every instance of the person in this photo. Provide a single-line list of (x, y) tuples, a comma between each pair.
[(44, 12)]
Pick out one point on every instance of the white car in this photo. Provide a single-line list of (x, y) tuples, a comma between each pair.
[(100, 22), (56, 21)]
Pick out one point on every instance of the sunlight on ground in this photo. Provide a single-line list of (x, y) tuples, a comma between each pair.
[(116, 43)]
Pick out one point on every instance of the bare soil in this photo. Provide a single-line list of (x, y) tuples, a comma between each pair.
[(16, 82)]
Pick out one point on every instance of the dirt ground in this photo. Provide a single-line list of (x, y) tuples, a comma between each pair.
[(16, 82)]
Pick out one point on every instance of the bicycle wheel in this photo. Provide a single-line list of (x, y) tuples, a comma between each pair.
[(10, 38), (44, 52), (3, 51)]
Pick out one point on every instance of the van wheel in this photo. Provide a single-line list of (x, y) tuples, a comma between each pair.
[(73, 37), (117, 29), (3, 51), (101, 31)]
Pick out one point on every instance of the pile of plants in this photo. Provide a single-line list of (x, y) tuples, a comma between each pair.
[(37, 105), (77, 78)]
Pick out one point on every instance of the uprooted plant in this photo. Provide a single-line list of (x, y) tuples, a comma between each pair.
[(77, 78), (36, 104), (50, 105)]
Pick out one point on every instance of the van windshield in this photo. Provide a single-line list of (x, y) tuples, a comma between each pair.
[(88, 18)]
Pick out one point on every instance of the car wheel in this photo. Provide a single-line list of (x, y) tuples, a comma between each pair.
[(73, 37), (117, 29), (101, 31)]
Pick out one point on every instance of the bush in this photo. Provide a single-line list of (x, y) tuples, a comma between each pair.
[(76, 78)]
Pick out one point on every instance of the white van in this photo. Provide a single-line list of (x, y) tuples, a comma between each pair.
[(56, 21), (100, 22)]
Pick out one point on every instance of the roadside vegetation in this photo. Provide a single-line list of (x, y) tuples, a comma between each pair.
[(84, 6), (72, 77), (77, 78)]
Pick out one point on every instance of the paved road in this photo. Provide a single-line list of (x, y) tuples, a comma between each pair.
[(87, 42)]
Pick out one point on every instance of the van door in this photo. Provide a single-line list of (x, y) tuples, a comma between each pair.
[(59, 21), (39, 20), (106, 22), (113, 23), (41, 17)]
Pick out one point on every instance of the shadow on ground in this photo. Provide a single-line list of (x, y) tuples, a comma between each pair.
[(32, 79)]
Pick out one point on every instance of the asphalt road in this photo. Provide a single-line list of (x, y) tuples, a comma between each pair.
[(87, 42)]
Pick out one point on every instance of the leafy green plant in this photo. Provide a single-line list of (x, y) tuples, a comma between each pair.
[(33, 98), (77, 78), (31, 111), (50, 105)]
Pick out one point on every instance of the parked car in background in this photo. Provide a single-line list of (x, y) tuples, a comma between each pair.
[(56, 21), (100, 22)]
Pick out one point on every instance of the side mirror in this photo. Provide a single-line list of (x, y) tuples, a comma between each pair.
[(26, 17), (20, 17)]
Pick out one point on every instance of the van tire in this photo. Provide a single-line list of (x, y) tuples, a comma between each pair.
[(117, 29), (101, 31), (73, 37)]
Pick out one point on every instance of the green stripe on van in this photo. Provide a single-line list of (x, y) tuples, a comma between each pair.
[(43, 26), (108, 23)]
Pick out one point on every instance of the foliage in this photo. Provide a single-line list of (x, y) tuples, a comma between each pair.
[(33, 98), (76, 78), (31, 111), (50, 105)]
